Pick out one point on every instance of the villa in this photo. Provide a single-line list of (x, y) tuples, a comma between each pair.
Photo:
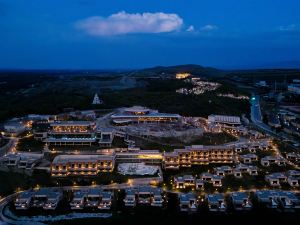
[(106, 200), (79, 198), (24, 200), (268, 197), (130, 199), (216, 202), (21, 160), (53, 199), (157, 199), (241, 201), (199, 184), (223, 170), (188, 202), (268, 160), (248, 158), (217, 181), (93, 197)]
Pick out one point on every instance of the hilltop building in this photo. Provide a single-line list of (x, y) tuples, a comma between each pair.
[(97, 100), (139, 114)]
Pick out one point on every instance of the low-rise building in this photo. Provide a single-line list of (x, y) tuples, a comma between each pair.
[(14, 128), (24, 200), (223, 170), (268, 160), (216, 202), (86, 165), (130, 199), (21, 160), (188, 202), (241, 201), (275, 179), (248, 158), (79, 200)]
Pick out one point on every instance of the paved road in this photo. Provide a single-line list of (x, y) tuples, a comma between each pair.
[(256, 118)]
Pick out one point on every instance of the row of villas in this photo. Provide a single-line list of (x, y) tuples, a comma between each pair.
[(20, 161), (216, 178), (45, 198), (291, 177), (49, 198), (92, 198), (285, 200), (144, 195), (197, 155)]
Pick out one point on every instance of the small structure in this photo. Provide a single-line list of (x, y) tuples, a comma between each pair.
[(241, 201), (52, 200), (199, 184), (106, 136), (106, 200), (237, 173), (157, 200), (206, 177), (78, 202), (216, 202), (130, 199), (248, 158), (97, 100), (268, 197), (223, 170), (268, 160), (275, 179), (93, 198), (217, 181), (24, 200), (188, 202), (293, 181), (14, 128)]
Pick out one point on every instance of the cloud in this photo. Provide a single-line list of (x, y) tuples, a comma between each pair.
[(290, 27), (126, 23), (209, 27), (190, 29)]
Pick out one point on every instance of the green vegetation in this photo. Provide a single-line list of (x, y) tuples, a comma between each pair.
[(171, 143), (50, 93), (29, 144), (214, 139), (10, 182), (161, 95)]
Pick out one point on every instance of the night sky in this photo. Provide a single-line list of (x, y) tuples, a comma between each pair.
[(123, 34)]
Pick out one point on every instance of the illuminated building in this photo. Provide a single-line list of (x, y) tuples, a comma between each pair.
[(197, 155), (138, 114), (182, 75)]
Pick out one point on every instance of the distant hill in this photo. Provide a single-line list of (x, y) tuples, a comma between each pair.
[(166, 71)]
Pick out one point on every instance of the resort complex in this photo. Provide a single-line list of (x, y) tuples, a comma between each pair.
[(99, 163)]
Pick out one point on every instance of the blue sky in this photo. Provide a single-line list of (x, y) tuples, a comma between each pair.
[(116, 34)]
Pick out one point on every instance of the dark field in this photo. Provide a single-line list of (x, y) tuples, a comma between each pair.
[(37, 92)]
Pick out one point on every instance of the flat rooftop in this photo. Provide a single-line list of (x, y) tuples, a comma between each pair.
[(80, 158), (72, 123)]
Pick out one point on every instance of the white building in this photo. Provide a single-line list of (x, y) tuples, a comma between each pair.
[(97, 100), (224, 120)]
